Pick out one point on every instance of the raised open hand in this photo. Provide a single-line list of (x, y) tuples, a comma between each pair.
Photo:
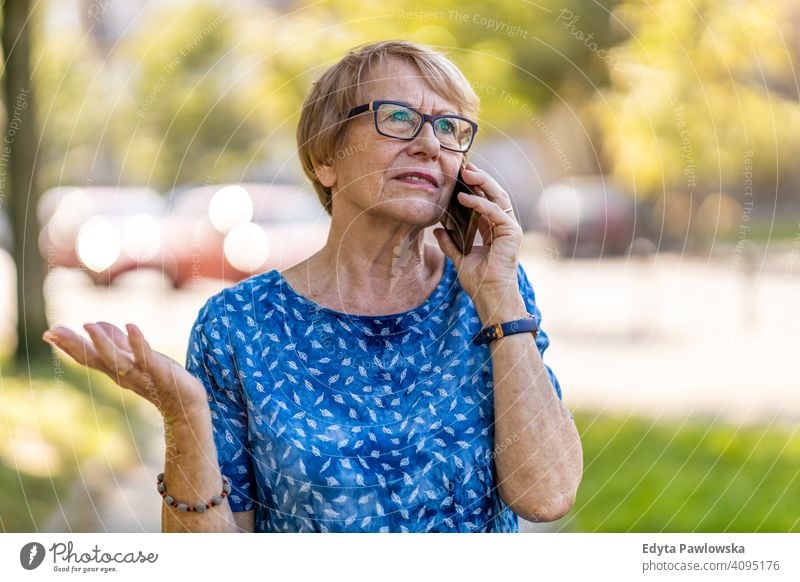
[(129, 360)]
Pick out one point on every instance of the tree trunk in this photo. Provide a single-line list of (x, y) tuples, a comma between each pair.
[(18, 161)]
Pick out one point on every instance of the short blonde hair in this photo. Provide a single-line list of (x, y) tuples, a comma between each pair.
[(321, 130)]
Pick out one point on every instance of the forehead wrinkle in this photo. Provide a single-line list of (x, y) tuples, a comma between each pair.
[(444, 109), (416, 102), (383, 84), (422, 93)]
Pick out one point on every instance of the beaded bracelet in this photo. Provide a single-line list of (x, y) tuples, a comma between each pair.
[(199, 507)]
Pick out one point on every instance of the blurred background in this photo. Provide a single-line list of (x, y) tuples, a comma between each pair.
[(149, 160)]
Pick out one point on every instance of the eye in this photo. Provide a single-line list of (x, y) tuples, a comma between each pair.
[(400, 115), (445, 125)]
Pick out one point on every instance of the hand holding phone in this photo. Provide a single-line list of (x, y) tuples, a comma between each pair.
[(461, 222)]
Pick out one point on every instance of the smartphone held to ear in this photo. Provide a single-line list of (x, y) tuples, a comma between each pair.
[(461, 222)]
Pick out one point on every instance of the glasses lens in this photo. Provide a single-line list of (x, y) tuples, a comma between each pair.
[(402, 122), (397, 121), (453, 132)]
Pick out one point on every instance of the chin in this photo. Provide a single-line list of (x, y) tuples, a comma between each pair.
[(412, 211)]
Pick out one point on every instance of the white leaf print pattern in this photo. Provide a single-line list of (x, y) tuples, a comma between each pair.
[(355, 423)]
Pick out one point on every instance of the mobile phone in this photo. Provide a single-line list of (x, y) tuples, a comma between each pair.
[(461, 222)]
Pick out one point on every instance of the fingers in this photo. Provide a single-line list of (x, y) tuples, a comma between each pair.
[(118, 338), (486, 229), (448, 247), (77, 347), (107, 345), (139, 345), (118, 362), (475, 177), (489, 211)]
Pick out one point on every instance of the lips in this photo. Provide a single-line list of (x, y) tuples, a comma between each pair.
[(422, 178)]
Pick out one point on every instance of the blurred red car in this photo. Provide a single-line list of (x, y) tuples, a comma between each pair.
[(225, 231), (232, 231), (103, 231)]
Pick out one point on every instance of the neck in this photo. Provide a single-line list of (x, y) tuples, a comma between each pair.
[(373, 265)]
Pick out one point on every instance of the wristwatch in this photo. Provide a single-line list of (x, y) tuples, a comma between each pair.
[(498, 330)]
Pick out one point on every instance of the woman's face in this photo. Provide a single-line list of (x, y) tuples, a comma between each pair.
[(366, 175)]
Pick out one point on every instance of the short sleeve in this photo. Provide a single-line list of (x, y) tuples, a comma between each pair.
[(209, 357), (542, 339)]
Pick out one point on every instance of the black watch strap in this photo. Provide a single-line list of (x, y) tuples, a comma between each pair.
[(498, 330)]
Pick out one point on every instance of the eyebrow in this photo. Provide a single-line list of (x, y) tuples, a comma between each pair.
[(440, 111)]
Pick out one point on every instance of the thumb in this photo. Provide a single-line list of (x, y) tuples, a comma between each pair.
[(447, 245)]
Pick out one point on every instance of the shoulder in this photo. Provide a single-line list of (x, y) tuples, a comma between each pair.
[(523, 280), (241, 301), (297, 276)]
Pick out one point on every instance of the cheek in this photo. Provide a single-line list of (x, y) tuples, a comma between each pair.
[(374, 164), (362, 173)]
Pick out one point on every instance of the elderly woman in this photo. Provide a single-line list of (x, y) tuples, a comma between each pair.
[(355, 391)]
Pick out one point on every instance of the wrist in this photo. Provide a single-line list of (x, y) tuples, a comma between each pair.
[(186, 405), (188, 418), (499, 310), (188, 436)]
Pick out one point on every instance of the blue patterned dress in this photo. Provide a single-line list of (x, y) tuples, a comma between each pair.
[(350, 423)]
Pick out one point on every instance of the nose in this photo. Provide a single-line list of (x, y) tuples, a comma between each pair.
[(426, 141)]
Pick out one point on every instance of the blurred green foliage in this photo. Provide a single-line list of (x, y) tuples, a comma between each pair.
[(698, 88), (209, 90), (668, 96), (699, 475), (52, 430)]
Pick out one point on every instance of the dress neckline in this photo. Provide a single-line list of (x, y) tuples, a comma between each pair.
[(415, 314)]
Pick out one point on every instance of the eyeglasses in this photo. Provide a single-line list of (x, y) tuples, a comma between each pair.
[(401, 121)]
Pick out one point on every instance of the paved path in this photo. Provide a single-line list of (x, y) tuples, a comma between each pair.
[(671, 337)]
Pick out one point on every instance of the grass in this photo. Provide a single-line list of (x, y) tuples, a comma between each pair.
[(50, 431), (647, 476)]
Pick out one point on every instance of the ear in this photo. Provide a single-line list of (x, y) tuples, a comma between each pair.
[(326, 174)]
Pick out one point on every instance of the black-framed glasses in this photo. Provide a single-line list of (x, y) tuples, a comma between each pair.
[(399, 120)]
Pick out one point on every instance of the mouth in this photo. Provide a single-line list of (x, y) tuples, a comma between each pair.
[(419, 179)]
